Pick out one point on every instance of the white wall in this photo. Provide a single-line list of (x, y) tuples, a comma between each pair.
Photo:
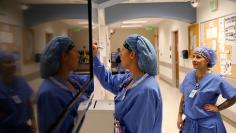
[(225, 7), (11, 13), (50, 27), (117, 39), (166, 27), (80, 38), (40, 42)]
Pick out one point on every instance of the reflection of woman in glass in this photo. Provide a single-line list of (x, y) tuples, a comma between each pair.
[(15, 95), (57, 61), (200, 91), (85, 55), (138, 102)]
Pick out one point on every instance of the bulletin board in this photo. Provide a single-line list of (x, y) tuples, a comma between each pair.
[(8, 37), (193, 38), (220, 35)]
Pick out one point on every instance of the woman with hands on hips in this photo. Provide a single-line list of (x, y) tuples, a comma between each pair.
[(138, 102), (200, 91)]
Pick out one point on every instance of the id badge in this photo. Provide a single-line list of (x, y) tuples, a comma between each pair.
[(121, 95), (193, 93), (116, 130), (16, 99)]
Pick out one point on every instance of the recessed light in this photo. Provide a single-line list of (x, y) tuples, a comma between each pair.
[(134, 22), (130, 26)]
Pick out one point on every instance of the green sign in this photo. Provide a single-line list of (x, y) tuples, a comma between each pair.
[(213, 5), (76, 29), (149, 28)]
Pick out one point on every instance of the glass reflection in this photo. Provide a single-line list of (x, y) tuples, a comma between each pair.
[(26, 99)]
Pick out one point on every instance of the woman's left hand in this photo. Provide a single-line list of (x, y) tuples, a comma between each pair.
[(211, 108)]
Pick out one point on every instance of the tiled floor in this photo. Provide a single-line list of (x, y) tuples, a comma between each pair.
[(171, 97)]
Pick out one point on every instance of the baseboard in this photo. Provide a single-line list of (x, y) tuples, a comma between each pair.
[(166, 79)]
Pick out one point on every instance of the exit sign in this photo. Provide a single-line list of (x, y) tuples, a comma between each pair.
[(213, 5)]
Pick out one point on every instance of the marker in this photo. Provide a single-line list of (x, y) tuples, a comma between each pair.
[(95, 104), (100, 46)]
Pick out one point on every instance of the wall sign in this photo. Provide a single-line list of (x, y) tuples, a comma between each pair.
[(230, 29), (213, 5)]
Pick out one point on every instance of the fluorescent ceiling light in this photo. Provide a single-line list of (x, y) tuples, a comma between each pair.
[(130, 26), (93, 27), (83, 22), (24, 7), (194, 3), (134, 22)]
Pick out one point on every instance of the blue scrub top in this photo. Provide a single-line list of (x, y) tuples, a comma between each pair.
[(211, 86), (52, 100), (139, 109), (14, 103), (80, 82)]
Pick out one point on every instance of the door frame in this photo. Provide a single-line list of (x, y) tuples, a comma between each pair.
[(175, 58)]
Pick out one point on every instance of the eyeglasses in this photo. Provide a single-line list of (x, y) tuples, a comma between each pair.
[(69, 48), (127, 46)]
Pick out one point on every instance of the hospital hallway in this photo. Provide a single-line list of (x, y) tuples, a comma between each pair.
[(164, 38), (170, 97)]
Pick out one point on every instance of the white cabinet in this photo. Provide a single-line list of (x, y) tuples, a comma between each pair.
[(99, 117)]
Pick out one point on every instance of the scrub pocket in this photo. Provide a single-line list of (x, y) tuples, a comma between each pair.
[(208, 128)]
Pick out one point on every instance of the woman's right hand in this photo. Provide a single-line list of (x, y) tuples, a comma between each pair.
[(180, 122), (95, 49)]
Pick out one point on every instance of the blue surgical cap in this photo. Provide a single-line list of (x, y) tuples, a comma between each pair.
[(208, 54), (147, 58), (50, 60)]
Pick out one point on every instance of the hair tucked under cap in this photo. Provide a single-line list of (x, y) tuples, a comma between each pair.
[(146, 54), (208, 54), (50, 60)]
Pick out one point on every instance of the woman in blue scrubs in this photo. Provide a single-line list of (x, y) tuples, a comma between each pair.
[(60, 84), (15, 98), (138, 102), (200, 91)]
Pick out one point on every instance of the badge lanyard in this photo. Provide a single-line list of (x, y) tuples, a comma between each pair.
[(123, 94), (58, 83), (124, 90), (194, 91), (73, 81), (55, 81), (138, 81), (14, 96)]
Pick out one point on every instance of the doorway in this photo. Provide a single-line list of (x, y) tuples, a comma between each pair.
[(156, 45), (175, 60), (48, 37)]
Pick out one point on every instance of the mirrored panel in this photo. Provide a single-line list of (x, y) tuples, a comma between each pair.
[(45, 65)]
